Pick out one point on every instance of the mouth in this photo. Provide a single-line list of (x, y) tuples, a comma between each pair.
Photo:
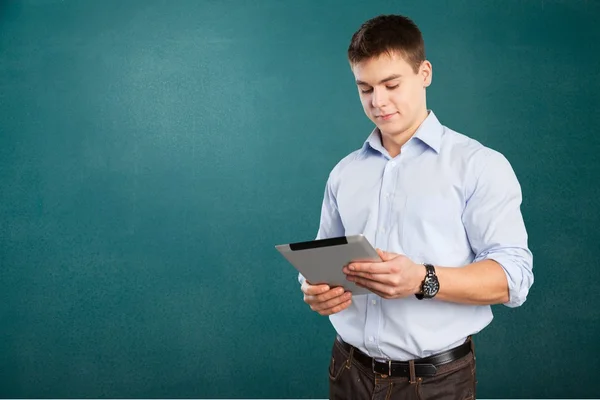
[(385, 117)]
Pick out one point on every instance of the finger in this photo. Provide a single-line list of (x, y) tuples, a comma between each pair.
[(330, 294), (383, 290), (370, 267), (386, 256), (313, 290), (334, 302), (378, 293), (383, 278), (322, 297), (336, 309)]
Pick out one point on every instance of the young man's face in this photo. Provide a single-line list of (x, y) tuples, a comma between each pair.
[(392, 94)]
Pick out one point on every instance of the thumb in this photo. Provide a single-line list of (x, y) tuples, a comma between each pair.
[(385, 256)]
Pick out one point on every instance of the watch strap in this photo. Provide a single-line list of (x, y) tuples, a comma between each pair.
[(429, 272)]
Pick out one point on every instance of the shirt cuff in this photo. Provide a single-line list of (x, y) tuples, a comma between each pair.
[(517, 266)]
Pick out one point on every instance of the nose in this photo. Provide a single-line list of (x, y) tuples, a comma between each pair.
[(379, 98)]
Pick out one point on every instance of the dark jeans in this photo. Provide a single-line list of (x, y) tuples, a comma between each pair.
[(349, 380)]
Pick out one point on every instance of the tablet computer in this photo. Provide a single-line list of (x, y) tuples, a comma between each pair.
[(321, 261)]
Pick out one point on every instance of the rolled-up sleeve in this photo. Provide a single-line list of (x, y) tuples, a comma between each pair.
[(495, 226), (330, 224)]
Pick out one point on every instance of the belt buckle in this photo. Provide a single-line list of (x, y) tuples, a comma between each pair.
[(389, 367)]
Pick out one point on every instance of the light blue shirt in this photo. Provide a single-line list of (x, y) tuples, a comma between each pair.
[(446, 200)]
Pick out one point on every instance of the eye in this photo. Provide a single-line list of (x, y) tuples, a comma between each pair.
[(392, 87), (366, 90)]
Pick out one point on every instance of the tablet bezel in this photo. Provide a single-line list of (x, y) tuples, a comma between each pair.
[(321, 261)]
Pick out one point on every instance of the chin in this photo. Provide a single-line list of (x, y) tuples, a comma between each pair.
[(391, 129)]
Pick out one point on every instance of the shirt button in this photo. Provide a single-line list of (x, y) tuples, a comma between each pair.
[(374, 302), (382, 230), (371, 338), (393, 164)]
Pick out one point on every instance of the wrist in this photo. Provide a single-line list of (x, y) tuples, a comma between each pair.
[(430, 285), (420, 274)]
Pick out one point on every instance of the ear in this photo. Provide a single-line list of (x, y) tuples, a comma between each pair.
[(426, 71)]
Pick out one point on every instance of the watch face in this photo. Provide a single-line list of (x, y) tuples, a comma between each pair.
[(430, 287)]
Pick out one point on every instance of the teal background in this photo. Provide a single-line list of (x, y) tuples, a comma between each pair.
[(153, 152)]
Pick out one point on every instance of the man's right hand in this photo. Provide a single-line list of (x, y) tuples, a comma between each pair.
[(324, 300)]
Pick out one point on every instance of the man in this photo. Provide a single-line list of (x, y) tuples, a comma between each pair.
[(443, 212)]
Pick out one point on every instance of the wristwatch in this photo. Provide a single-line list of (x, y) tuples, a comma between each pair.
[(430, 285)]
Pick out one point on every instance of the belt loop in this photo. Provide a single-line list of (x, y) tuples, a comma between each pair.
[(411, 367), (472, 346), (350, 357)]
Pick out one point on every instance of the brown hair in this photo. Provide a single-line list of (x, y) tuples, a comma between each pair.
[(388, 34)]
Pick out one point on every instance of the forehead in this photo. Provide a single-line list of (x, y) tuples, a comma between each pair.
[(376, 68)]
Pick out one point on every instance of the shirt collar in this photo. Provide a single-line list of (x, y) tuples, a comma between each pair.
[(429, 132)]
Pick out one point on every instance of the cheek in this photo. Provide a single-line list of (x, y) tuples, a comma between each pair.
[(400, 101), (366, 104), (406, 99), (416, 93)]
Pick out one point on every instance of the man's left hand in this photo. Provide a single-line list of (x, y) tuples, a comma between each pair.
[(393, 278)]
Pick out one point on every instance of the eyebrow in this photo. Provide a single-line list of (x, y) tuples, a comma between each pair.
[(389, 78)]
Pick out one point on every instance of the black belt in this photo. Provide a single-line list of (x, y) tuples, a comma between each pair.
[(423, 366)]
